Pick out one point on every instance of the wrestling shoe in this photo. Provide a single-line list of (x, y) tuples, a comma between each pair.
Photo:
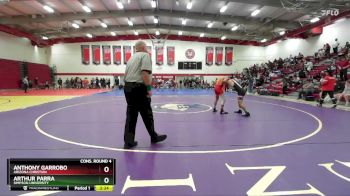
[(215, 110), (334, 106), (319, 104), (223, 112), (238, 112), (158, 139), (246, 114)]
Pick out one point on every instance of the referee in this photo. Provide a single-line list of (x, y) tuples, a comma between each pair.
[(138, 94)]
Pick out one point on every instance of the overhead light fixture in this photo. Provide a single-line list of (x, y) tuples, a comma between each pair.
[(282, 32), (183, 22), (157, 33), (234, 28), (75, 25), (189, 5), (223, 37), (223, 9), (130, 23), (201, 35), (86, 9), (316, 19), (210, 25), (177, 2), (113, 34), (104, 25), (155, 20), (263, 40), (120, 4), (89, 35), (136, 33), (180, 32), (45, 38), (153, 4), (256, 12), (48, 9)]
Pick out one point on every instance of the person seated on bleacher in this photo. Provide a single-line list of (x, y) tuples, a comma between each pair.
[(307, 89), (309, 65), (47, 85), (345, 94)]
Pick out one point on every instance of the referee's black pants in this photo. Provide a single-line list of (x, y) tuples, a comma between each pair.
[(137, 101)]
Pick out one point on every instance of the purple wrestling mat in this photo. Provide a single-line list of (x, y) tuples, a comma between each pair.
[(284, 148)]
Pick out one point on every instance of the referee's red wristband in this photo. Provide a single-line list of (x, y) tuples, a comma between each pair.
[(149, 87)]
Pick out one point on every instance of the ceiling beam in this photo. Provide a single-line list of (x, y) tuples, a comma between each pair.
[(98, 30), (145, 13)]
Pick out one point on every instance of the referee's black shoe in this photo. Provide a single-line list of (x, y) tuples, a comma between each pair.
[(130, 145), (158, 139)]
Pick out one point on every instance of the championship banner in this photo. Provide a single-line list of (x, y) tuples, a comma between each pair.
[(209, 53), (218, 55), (106, 55), (117, 53), (85, 54), (127, 53), (171, 55), (96, 52), (159, 55), (228, 55)]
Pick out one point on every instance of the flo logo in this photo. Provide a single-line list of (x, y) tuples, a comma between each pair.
[(180, 108), (331, 12)]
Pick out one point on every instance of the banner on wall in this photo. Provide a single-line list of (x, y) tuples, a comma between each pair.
[(149, 50), (171, 55), (209, 53), (96, 54), (228, 55), (117, 54), (159, 55), (106, 55), (218, 55), (85, 54), (127, 53)]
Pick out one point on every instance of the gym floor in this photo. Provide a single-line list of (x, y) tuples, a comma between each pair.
[(283, 148)]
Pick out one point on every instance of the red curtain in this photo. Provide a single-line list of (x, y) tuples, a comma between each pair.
[(96, 50), (10, 74), (171, 55), (127, 53), (106, 55), (85, 54), (228, 55), (159, 55), (117, 53), (218, 55), (209, 55)]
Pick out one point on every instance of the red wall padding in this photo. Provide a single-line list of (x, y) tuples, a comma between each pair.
[(39, 70), (9, 74)]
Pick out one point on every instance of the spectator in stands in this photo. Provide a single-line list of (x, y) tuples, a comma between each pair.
[(327, 50), (25, 84), (345, 94), (59, 82), (343, 65), (327, 87), (36, 82), (47, 85), (335, 46), (116, 82), (308, 65), (347, 46), (108, 83), (284, 85), (67, 83), (307, 89)]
